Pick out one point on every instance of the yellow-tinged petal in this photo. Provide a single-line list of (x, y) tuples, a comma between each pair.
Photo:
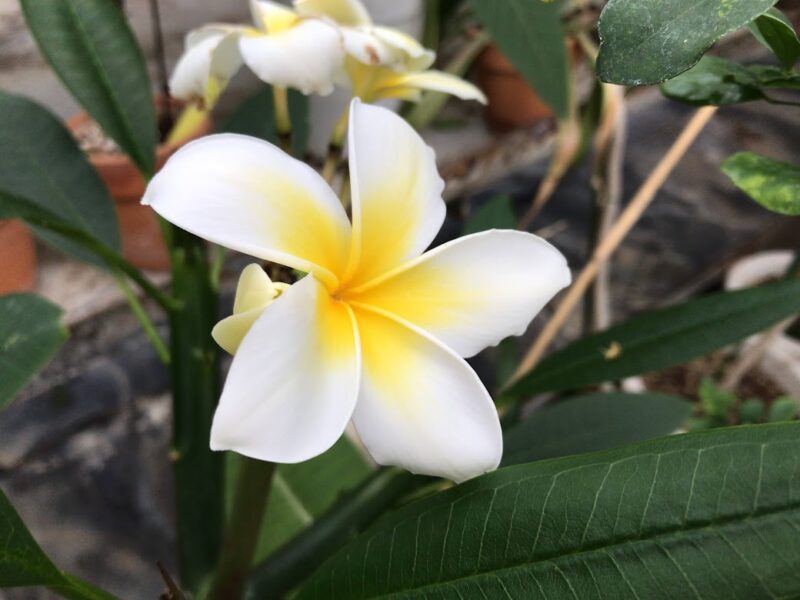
[(293, 383), (271, 16), (420, 406), (344, 12), (245, 194), (254, 293), (307, 56), (474, 291), (396, 192), (211, 58), (405, 85)]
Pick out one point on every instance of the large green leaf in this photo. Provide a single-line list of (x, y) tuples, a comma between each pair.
[(300, 493), (23, 564), (93, 50), (30, 334), (772, 183), (663, 338), (531, 36), (649, 41), (708, 515), (593, 422), (775, 31), (43, 165)]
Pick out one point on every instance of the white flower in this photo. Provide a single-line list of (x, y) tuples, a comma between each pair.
[(383, 62), (283, 49), (377, 330)]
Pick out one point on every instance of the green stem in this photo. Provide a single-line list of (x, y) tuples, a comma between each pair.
[(335, 147), (283, 120), (423, 113), (241, 534), (199, 472), (144, 320), (297, 559)]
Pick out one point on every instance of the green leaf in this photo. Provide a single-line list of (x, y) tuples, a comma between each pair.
[(712, 515), (531, 36), (715, 81), (93, 50), (782, 409), (719, 82), (302, 492), (593, 422), (775, 185), (43, 165), (23, 564), (30, 334), (649, 41), (495, 213), (663, 338), (256, 117), (775, 31)]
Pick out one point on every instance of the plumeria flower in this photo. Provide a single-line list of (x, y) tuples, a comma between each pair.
[(284, 49), (377, 331), (383, 62)]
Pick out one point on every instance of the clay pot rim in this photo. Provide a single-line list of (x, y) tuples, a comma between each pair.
[(102, 159)]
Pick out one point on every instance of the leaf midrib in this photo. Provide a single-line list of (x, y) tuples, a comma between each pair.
[(664, 535), (105, 82)]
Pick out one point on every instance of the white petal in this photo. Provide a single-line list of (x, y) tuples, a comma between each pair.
[(344, 12), (387, 47), (420, 406), (474, 291), (245, 194), (396, 192), (436, 81), (416, 56), (210, 60), (306, 56), (294, 381)]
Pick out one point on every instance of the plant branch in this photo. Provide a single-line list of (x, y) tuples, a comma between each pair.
[(297, 559), (144, 320), (241, 534), (427, 109), (616, 234), (610, 143), (283, 120), (335, 147)]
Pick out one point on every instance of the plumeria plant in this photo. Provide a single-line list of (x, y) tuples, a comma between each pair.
[(352, 326)]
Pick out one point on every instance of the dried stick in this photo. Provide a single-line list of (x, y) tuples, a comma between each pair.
[(610, 145), (617, 233)]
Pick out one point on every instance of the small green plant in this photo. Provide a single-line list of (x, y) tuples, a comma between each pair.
[(720, 407)]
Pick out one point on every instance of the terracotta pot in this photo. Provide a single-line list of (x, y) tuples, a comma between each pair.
[(142, 243), (17, 258), (512, 103)]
